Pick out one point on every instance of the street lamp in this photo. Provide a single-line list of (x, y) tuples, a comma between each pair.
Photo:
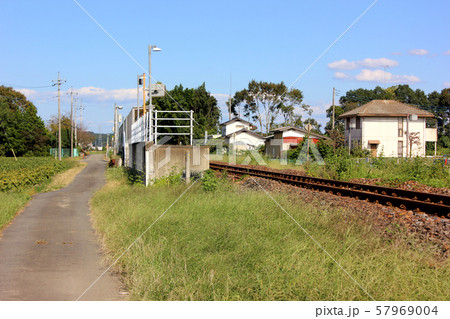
[(150, 106), (116, 135)]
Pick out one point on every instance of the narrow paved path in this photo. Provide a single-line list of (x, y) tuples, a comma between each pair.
[(50, 252)]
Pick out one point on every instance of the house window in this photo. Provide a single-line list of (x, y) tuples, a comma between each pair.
[(400, 127), (358, 123), (347, 122), (400, 149)]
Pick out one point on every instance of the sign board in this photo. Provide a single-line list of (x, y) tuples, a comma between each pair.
[(308, 127), (158, 89)]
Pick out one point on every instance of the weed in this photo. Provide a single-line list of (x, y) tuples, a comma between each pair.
[(209, 181)]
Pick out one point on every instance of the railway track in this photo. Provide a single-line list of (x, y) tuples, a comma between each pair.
[(404, 199)]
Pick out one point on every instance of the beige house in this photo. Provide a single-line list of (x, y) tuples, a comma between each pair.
[(389, 127), (286, 138)]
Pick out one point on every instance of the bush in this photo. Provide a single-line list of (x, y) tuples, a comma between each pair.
[(210, 182)]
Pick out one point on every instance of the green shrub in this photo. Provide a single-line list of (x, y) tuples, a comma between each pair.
[(209, 181)]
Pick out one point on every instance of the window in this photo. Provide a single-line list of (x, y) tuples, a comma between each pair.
[(358, 123), (347, 121), (400, 127), (400, 149)]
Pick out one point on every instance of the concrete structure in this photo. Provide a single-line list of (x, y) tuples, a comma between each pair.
[(162, 160), (390, 128), (286, 138), (155, 161), (238, 132)]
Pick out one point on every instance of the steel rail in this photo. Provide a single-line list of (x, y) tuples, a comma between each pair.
[(405, 199)]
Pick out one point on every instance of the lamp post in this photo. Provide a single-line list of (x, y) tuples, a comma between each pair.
[(116, 135), (150, 106)]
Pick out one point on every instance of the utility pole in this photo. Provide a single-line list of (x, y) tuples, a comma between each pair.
[(71, 122), (58, 83), (334, 93), (229, 102), (75, 123)]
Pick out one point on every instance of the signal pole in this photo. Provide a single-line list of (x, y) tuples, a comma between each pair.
[(58, 83)]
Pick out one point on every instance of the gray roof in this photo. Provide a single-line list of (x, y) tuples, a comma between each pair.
[(289, 128), (386, 108), (236, 119), (246, 131)]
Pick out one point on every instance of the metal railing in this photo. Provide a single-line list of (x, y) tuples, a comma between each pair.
[(146, 127)]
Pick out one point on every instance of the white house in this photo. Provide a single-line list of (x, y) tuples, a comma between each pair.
[(244, 140), (239, 133), (236, 124), (286, 138), (390, 128)]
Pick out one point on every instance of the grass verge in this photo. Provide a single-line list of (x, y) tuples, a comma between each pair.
[(14, 201), (235, 244)]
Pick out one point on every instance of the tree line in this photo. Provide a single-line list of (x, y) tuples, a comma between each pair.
[(24, 133)]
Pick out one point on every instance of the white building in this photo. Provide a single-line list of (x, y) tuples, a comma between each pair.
[(286, 138), (390, 128), (238, 132), (236, 124)]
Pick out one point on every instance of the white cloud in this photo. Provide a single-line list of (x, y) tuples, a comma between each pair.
[(343, 65), (89, 93), (366, 63), (35, 96), (383, 76), (417, 52), (341, 76), (101, 94), (377, 63), (447, 52), (446, 85)]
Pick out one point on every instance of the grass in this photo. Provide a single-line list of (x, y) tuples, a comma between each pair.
[(392, 171), (234, 244), (14, 201)]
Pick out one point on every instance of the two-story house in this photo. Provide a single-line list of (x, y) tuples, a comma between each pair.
[(389, 127), (238, 132)]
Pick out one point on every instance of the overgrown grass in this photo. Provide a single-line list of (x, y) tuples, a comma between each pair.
[(11, 205), (14, 200), (235, 244)]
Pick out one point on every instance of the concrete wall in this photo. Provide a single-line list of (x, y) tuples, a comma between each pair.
[(162, 160)]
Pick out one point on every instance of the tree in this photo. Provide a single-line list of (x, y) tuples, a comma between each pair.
[(199, 100), (84, 138), (435, 102), (21, 129), (265, 101), (53, 128)]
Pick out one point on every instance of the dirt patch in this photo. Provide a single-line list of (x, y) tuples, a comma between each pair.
[(65, 178)]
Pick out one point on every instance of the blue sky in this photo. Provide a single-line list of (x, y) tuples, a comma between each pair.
[(395, 42)]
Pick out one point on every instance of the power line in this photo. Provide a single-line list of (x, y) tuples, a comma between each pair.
[(25, 86)]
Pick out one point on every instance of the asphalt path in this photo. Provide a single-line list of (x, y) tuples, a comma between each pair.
[(51, 252)]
